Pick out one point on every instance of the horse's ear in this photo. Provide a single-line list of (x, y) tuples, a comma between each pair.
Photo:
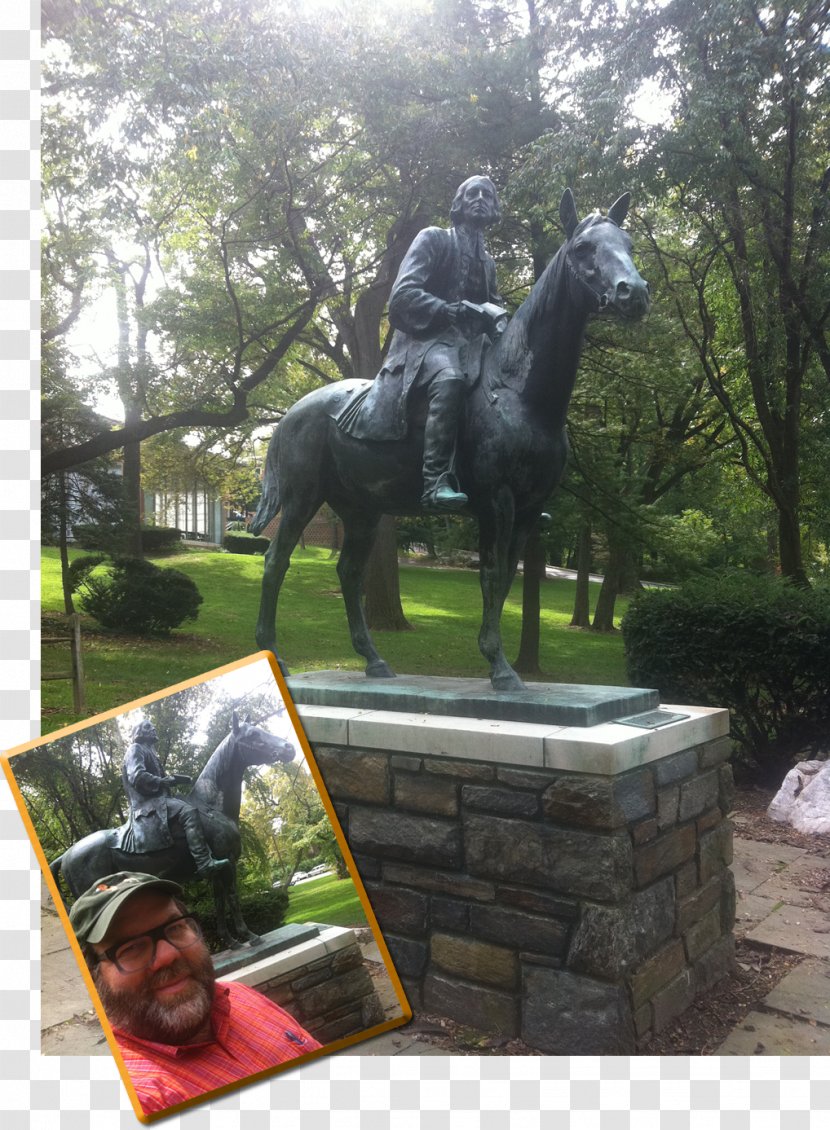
[(619, 209), (235, 722), (567, 212)]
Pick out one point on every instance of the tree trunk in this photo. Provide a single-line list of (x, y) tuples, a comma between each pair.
[(63, 532), (384, 611), (132, 494), (621, 576), (527, 661), (582, 607), (789, 547)]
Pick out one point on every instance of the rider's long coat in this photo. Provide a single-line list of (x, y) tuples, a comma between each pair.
[(443, 265), (142, 775)]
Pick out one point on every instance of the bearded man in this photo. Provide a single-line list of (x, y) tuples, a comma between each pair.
[(181, 1032), (436, 347)]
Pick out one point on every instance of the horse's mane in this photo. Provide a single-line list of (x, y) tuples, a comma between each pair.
[(537, 307), (216, 764)]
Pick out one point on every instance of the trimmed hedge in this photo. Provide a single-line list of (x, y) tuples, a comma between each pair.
[(137, 596), (262, 910), (161, 539), (245, 543), (757, 645)]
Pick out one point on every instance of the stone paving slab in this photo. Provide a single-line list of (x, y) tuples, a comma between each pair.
[(80, 1036), (804, 992), (755, 863), (762, 1033), (799, 929), (750, 910), (393, 1043), (801, 883)]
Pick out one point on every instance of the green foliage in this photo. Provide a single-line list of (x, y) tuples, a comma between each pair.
[(81, 567), (757, 645), (444, 537), (263, 909), (136, 596), (444, 606), (329, 900), (160, 539), (242, 542)]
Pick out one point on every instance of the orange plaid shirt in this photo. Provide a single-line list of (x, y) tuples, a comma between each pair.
[(251, 1034)]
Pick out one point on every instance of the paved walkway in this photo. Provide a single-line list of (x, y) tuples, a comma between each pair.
[(783, 901)]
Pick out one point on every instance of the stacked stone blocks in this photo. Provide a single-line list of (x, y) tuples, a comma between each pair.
[(580, 912), (327, 989)]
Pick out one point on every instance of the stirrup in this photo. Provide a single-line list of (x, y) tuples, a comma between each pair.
[(212, 866), (442, 498)]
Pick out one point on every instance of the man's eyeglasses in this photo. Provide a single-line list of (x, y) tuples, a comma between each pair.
[(137, 953)]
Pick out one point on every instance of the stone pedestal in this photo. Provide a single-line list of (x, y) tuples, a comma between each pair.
[(568, 885), (322, 981)]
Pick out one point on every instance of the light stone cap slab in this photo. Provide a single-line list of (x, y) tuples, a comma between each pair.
[(606, 749), (330, 940), (328, 725), (468, 739), (612, 748)]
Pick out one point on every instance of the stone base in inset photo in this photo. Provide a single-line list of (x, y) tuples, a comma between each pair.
[(566, 885), (322, 982)]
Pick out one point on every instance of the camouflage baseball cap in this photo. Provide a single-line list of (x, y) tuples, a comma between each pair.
[(94, 911)]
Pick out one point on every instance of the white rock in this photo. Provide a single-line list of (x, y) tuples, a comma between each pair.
[(804, 798)]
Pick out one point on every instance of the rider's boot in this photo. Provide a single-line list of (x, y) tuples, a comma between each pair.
[(441, 492), (206, 865)]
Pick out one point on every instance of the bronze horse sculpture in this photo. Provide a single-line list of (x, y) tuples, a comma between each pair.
[(511, 448), (217, 795)]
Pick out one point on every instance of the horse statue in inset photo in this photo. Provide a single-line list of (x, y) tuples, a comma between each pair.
[(216, 796), (511, 446)]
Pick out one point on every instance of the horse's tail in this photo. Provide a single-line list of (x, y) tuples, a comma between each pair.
[(270, 501)]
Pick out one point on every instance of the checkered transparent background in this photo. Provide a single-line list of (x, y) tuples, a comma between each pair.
[(409, 1092)]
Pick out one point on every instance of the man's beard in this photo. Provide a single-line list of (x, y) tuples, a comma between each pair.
[(140, 1013)]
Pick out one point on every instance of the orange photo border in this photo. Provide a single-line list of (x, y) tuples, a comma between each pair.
[(328, 1049)]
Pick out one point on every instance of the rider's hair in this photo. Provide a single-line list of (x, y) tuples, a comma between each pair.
[(458, 203), (138, 728)]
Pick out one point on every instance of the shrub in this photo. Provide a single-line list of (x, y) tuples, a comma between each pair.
[(81, 567), (160, 539), (245, 543), (757, 645), (137, 596), (263, 910), (95, 538)]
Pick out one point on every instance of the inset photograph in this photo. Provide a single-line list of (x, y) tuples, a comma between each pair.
[(206, 890)]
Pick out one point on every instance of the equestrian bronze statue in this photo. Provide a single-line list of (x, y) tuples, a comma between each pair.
[(214, 801), (511, 446)]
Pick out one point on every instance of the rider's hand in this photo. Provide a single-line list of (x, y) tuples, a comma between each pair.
[(457, 313)]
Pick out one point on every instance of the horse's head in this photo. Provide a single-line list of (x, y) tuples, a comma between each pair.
[(598, 255), (256, 746)]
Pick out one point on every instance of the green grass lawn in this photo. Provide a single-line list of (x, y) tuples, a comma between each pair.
[(443, 606), (328, 900)]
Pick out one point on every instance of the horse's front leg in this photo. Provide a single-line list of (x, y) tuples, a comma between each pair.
[(239, 926), (297, 513), (220, 903), (496, 535), (359, 531)]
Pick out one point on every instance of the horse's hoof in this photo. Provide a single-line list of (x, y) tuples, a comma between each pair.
[(507, 681), (380, 669)]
